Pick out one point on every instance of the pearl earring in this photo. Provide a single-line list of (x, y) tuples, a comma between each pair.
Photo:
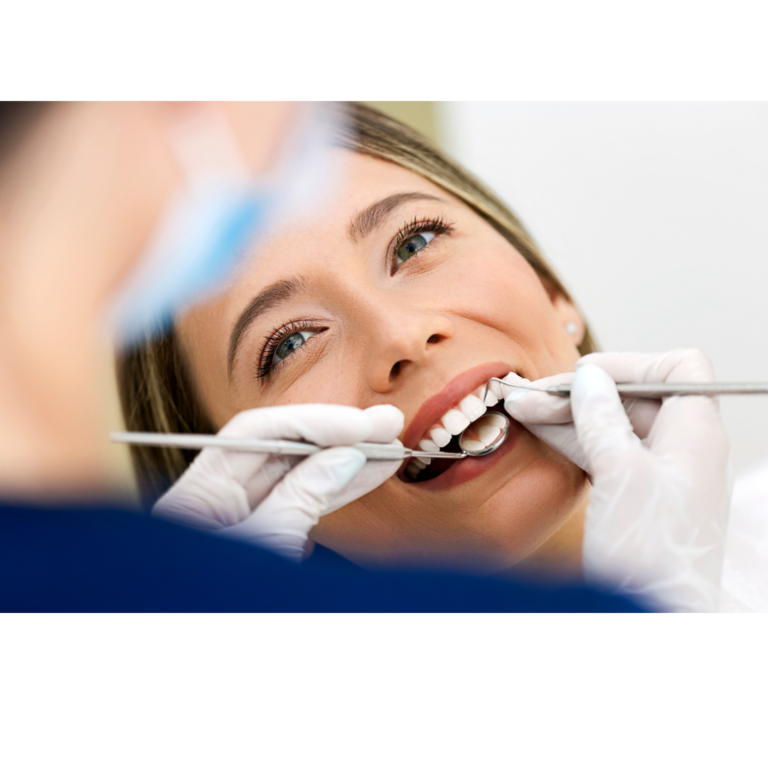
[(572, 328)]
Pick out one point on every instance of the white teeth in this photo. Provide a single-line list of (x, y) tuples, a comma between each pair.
[(472, 407), (496, 420), (488, 433), (490, 398), (455, 421), (497, 389), (415, 465), (441, 437)]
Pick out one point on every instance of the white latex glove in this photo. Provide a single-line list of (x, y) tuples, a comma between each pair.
[(274, 501), (660, 471)]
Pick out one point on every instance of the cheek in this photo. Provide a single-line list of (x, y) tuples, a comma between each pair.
[(331, 381), (499, 289)]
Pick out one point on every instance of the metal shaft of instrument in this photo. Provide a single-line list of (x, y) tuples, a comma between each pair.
[(658, 391), (372, 451)]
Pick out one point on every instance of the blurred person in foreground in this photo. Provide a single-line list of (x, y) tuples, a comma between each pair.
[(113, 217)]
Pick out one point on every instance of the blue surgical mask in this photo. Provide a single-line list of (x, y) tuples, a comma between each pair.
[(215, 220)]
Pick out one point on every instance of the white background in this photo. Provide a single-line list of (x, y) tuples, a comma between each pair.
[(653, 214)]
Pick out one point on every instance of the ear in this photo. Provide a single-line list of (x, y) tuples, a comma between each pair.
[(567, 312)]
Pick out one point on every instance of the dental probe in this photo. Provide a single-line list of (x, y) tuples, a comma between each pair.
[(373, 451), (654, 391)]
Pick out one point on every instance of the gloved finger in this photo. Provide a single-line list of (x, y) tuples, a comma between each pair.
[(678, 365), (370, 477), (681, 365), (323, 423), (214, 466), (529, 407), (387, 422), (642, 414), (306, 493), (196, 501), (685, 426), (534, 408), (691, 428), (260, 482), (563, 438), (386, 425), (602, 426)]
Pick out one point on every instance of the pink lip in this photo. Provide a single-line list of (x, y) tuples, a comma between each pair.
[(437, 405)]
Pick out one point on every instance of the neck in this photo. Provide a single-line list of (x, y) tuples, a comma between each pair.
[(53, 432)]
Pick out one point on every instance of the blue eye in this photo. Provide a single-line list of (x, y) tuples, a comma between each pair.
[(412, 245), (291, 344)]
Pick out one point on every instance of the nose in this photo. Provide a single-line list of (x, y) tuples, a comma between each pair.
[(402, 338)]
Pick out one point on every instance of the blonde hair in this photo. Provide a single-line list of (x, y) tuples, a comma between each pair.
[(156, 390)]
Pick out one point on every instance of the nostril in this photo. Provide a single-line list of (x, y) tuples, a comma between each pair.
[(433, 339), (395, 371)]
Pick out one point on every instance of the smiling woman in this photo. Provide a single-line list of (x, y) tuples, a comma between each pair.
[(415, 288)]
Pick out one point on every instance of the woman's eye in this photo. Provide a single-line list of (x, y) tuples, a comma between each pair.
[(412, 245), (291, 344)]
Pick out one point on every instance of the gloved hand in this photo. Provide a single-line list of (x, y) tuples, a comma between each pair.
[(274, 501), (660, 471)]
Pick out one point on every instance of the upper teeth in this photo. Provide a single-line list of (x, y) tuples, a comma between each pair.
[(440, 436), (455, 421)]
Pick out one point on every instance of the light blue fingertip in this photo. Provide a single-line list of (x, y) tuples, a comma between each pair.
[(515, 394), (347, 464)]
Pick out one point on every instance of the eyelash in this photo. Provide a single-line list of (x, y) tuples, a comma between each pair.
[(439, 226), (274, 339), (278, 334)]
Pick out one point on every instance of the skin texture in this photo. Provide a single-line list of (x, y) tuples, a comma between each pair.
[(81, 193), (467, 299)]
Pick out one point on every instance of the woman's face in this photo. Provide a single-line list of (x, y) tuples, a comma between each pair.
[(401, 294)]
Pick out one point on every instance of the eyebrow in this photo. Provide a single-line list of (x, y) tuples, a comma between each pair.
[(360, 226), (372, 217), (271, 297)]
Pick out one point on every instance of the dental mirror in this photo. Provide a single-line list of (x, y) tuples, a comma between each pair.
[(484, 435)]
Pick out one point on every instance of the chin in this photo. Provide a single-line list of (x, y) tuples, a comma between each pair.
[(518, 519), (528, 514)]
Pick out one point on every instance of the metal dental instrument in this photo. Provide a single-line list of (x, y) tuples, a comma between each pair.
[(384, 452), (654, 391), (372, 451), (497, 442)]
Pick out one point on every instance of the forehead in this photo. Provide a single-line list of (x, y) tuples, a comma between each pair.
[(361, 181), (296, 244)]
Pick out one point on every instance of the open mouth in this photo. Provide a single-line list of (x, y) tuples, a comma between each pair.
[(471, 414)]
